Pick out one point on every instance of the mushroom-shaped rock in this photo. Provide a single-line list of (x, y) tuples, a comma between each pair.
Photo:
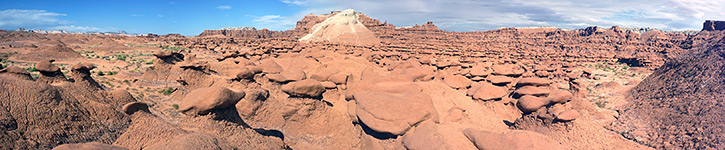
[(133, 107), (393, 113), (533, 82), (201, 101), (532, 90), (49, 72), (46, 66), (528, 103), (559, 96), (512, 140), (304, 88), (82, 67), (457, 81), (81, 74), (487, 91), (567, 115), (88, 146), (500, 79)]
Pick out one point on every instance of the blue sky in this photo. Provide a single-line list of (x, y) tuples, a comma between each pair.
[(192, 17), (186, 17)]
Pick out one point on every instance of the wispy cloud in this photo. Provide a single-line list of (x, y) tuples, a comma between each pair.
[(467, 15), (295, 2), (44, 20), (136, 15), (224, 7), (14, 18), (73, 28), (275, 22), (159, 15)]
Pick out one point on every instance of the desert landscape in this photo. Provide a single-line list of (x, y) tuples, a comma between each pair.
[(346, 80)]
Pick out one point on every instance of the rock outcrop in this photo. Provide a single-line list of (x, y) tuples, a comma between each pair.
[(343, 27)]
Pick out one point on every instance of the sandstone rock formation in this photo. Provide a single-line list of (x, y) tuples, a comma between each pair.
[(347, 81), (342, 27), (680, 104), (203, 100)]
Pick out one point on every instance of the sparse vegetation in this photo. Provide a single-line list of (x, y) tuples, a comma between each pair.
[(176, 106), (33, 69), (601, 104), (167, 91), (172, 48), (121, 57)]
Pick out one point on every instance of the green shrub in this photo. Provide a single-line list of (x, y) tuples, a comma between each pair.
[(167, 91), (176, 106), (121, 57), (602, 104)]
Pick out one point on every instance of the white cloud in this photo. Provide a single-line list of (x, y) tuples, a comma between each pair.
[(295, 2), (224, 7), (73, 28), (466, 15), (159, 15), (44, 20), (14, 18), (275, 22)]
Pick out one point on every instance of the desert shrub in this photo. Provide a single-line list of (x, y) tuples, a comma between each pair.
[(167, 91)]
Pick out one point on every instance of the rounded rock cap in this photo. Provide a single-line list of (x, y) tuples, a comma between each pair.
[(83, 66), (47, 66)]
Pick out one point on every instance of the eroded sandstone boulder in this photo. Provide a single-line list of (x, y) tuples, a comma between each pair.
[(304, 88), (393, 113), (201, 101)]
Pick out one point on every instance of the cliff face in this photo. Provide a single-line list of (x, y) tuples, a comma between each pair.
[(712, 25), (343, 27), (264, 33)]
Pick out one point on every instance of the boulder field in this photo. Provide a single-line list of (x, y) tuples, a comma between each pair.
[(346, 81)]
